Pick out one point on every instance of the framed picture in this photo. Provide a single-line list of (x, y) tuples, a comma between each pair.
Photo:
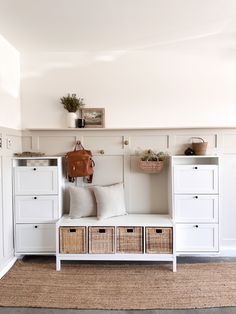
[(94, 117)]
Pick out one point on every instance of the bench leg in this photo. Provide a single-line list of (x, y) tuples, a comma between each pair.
[(58, 264), (174, 266)]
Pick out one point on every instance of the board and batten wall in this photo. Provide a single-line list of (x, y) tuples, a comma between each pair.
[(10, 142), (116, 162)]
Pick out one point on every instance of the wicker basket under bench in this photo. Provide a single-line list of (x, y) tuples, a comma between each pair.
[(132, 237)]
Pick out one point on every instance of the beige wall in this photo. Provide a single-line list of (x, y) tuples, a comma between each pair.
[(9, 85), (188, 83)]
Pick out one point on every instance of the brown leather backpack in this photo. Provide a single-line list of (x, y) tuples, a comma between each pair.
[(79, 163)]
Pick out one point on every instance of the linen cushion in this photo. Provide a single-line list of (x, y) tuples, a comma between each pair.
[(82, 202), (110, 200)]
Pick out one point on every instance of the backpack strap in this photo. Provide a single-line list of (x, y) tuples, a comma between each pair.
[(90, 178), (79, 145)]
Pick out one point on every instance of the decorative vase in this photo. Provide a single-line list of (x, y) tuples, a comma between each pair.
[(71, 119)]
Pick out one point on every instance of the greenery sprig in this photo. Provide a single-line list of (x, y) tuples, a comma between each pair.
[(151, 155), (71, 103)]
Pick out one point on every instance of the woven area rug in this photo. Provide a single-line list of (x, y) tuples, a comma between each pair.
[(119, 286)]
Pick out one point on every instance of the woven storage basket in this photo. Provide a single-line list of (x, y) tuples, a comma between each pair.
[(129, 240), (151, 166), (159, 240), (72, 240), (200, 147), (101, 240)]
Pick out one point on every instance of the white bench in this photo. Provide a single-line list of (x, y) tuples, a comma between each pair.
[(130, 220)]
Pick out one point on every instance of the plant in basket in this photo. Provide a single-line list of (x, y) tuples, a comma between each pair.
[(151, 161)]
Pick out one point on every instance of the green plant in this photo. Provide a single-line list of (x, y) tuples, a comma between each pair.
[(72, 103), (150, 155)]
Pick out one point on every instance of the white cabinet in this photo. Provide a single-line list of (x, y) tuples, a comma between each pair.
[(37, 204), (195, 203)]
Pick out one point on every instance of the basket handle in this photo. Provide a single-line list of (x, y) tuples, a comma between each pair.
[(102, 230), (198, 138)]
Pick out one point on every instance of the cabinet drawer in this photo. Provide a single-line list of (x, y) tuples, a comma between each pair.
[(196, 179), (36, 180), (30, 209), (32, 238), (200, 208), (197, 238)]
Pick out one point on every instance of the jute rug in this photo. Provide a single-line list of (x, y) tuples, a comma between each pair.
[(119, 286)]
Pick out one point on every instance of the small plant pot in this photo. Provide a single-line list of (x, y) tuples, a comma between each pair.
[(199, 147)]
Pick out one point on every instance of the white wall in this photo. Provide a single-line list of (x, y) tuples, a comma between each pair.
[(187, 83), (9, 85)]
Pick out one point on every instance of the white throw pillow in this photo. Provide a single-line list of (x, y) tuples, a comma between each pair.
[(110, 200), (82, 202)]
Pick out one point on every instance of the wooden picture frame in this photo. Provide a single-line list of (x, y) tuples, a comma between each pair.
[(94, 117)]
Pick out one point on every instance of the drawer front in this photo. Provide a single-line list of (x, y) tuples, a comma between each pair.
[(31, 238), (36, 180), (30, 209), (197, 238), (200, 208), (195, 179)]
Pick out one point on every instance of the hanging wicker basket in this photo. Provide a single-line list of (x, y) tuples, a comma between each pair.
[(151, 166)]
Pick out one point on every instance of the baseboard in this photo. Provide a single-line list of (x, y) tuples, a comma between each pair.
[(8, 266), (228, 252)]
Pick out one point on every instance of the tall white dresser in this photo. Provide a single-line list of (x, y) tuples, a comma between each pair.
[(37, 203), (195, 203)]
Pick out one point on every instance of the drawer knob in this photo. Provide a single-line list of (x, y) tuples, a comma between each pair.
[(195, 197), (195, 167), (35, 227), (102, 152), (196, 226), (34, 169), (126, 142), (35, 197)]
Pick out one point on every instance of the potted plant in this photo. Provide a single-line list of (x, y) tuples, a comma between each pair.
[(72, 103), (151, 161)]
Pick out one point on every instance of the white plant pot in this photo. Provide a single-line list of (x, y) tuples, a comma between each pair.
[(71, 119)]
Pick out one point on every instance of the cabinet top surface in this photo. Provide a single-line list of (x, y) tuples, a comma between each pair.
[(38, 158), (151, 220)]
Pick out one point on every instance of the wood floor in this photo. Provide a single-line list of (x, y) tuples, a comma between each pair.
[(231, 310)]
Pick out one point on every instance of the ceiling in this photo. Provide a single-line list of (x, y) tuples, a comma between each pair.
[(91, 25)]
